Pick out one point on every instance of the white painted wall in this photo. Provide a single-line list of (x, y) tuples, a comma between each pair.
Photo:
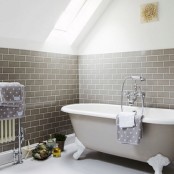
[(27, 24), (120, 29), (56, 43)]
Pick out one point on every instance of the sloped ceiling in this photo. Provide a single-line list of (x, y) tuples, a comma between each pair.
[(29, 19)]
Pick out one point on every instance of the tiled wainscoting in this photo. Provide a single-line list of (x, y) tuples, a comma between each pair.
[(51, 81), (101, 76)]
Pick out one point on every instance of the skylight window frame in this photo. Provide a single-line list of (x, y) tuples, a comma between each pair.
[(65, 28)]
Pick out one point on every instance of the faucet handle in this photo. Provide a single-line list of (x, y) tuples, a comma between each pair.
[(143, 94), (126, 93)]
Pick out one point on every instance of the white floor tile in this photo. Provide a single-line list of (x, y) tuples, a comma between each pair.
[(90, 163)]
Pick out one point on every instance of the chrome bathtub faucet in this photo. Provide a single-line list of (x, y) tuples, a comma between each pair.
[(133, 95)]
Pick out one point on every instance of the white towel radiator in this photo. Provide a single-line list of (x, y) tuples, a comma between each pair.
[(7, 130), (12, 107), (8, 134)]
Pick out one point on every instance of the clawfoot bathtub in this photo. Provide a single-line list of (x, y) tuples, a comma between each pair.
[(95, 128)]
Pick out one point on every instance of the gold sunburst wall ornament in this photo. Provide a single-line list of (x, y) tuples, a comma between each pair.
[(149, 12)]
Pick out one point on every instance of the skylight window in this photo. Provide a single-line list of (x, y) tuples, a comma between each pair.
[(70, 13), (76, 20)]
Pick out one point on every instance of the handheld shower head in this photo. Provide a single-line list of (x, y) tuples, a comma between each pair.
[(138, 78)]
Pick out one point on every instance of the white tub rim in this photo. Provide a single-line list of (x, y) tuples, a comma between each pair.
[(149, 113)]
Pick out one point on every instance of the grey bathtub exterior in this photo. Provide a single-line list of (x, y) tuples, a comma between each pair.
[(98, 131)]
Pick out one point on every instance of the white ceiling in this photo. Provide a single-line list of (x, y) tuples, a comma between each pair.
[(29, 19)]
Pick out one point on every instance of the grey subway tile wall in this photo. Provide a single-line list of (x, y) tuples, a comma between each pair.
[(51, 81), (101, 76)]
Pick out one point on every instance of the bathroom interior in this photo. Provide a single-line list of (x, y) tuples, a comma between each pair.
[(78, 52)]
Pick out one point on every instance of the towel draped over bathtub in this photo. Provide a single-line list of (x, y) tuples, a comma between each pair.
[(126, 119), (130, 135)]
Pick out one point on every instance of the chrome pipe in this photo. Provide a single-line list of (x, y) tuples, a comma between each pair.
[(18, 153), (20, 142), (122, 89)]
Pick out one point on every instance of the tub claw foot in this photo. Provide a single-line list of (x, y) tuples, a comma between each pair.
[(80, 149), (158, 162)]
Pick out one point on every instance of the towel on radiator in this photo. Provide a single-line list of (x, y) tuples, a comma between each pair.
[(130, 135), (12, 112), (11, 94)]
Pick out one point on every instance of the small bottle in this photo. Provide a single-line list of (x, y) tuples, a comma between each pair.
[(56, 152), (51, 142)]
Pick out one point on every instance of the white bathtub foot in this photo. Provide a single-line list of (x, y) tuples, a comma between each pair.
[(80, 149), (158, 162)]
